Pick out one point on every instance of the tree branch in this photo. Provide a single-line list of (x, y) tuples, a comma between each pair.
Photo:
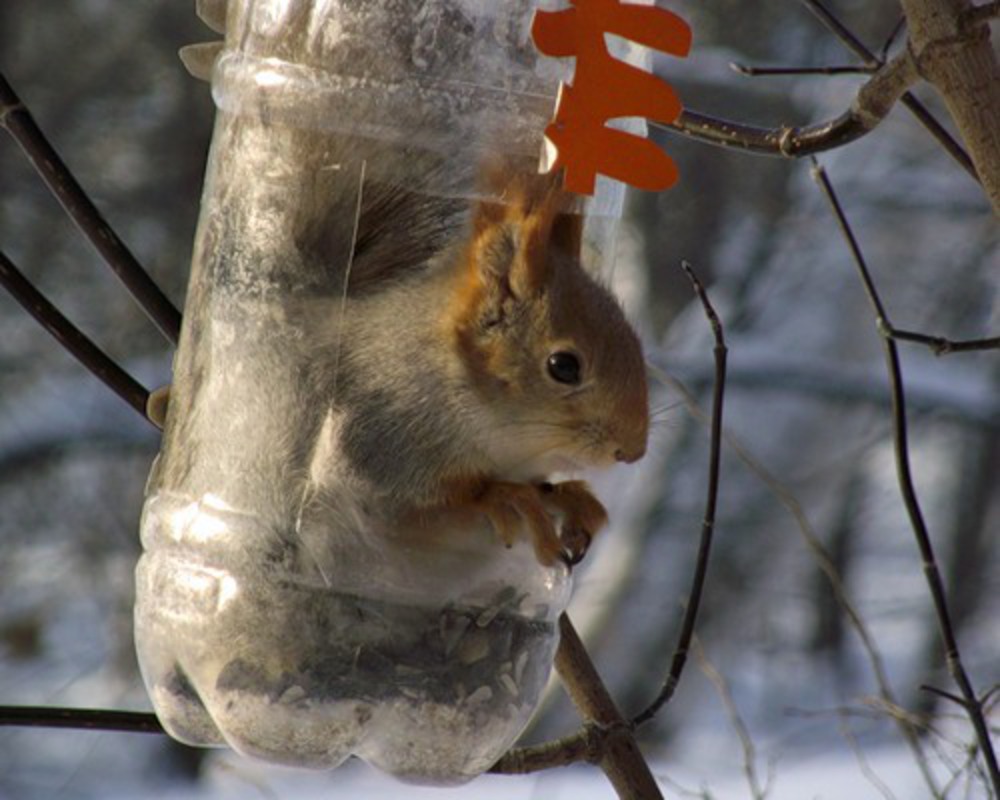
[(18, 122), (826, 565), (708, 525), (856, 46), (80, 719), (620, 757), (956, 57), (871, 105), (71, 338), (584, 745), (938, 344), (873, 102), (972, 704), (842, 69), (606, 738)]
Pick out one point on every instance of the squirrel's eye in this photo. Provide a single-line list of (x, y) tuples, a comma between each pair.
[(564, 367)]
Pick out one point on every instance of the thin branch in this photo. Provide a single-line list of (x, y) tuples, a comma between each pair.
[(708, 524), (841, 31), (716, 678), (843, 69), (881, 92), (621, 759), (583, 746), (954, 698), (784, 141), (908, 729), (872, 103), (850, 385), (972, 704), (859, 756), (71, 338), (873, 708), (891, 38), (606, 739), (856, 46), (939, 345), (991, 694), (18, 122), (80, 719)]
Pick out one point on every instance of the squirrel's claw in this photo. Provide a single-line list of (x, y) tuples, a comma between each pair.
[(582, 513), (514, 507)]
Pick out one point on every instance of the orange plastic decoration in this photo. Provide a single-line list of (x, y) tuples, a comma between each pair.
[(604, 88)]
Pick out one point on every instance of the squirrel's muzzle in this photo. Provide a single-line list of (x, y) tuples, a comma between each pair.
[(630, 455)]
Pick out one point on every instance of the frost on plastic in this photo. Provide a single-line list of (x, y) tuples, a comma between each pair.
[(271, 614)]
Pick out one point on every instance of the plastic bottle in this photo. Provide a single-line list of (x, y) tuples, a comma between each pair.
[(253, 629)]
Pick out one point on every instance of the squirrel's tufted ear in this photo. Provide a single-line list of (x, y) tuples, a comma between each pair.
[(514, 255), (491, 259), (515, 237), (567, 234)]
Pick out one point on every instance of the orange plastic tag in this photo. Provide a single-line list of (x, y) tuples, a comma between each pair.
[(604, 88)]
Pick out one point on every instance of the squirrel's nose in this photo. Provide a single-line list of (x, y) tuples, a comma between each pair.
[(630, 455), (632, 440)]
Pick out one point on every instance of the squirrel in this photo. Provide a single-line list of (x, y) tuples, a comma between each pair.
[(469, 382), (463, 376)]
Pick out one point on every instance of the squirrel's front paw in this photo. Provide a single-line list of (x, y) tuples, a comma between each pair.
[(582, 514), (514, 507)]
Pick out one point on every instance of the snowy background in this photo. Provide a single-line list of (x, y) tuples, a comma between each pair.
[(785, 703)]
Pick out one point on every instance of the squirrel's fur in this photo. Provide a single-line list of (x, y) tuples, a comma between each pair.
[(440, 375)]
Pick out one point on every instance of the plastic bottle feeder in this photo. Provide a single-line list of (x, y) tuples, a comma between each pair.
[(265, 619)]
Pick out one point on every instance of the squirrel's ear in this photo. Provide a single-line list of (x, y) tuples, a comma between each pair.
[(546, 227), (494, 245), (567, 233), (531, 267), (514, 241), (489, 262)]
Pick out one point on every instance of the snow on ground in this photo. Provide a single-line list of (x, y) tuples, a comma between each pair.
[(821, 778)]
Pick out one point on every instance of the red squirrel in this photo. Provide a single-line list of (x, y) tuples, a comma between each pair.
[(469, 382)]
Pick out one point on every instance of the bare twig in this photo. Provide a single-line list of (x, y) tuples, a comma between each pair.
[(973, 705), (889, 83), (606, 739), (859, 756), (786, 141), (915, 107), (939, 345), (607, 732), (891, 38), (582, 746), (716, 678), (620, 757), (908, 729), (695, 794), (18, 122), (873, 102), (80, 719), (843, 69), (873, 708), (708, 524), (70, 337), (954, 698)]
